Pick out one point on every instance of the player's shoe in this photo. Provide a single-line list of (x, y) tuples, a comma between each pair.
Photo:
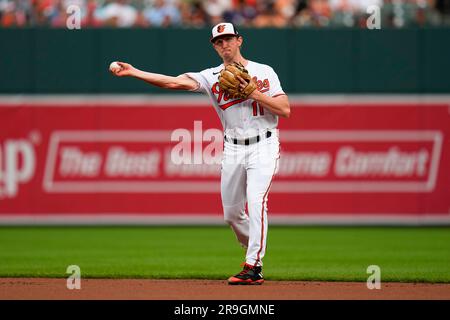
[(250, 275)]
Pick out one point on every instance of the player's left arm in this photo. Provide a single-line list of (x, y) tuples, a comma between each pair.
[(278, 104), (276, 100)]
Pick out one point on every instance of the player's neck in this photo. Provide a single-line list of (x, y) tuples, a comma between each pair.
[(237, 58)]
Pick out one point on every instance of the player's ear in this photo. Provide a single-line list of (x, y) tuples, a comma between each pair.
[(240, 40)]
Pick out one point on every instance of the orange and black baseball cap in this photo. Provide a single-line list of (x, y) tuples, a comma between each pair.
[(223, 29)]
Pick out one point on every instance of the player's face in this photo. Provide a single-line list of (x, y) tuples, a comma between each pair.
[(227, 47)]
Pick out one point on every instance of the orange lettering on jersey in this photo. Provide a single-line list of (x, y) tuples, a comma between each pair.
[(262, 85), (259, 84), (231, 103), (220, 94)]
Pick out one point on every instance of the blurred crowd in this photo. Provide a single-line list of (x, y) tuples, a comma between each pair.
[(247, 13)]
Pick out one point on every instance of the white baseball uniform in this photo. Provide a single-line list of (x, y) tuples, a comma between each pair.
[(250, 157)]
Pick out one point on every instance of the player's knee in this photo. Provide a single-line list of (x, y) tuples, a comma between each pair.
[(229, 218), (231, 214), (234, 223), (228, 221)]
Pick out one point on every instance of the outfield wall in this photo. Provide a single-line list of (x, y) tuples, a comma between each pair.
[(307, 60), (107, 160)]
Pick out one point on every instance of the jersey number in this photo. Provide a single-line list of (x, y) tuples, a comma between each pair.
[(255, 109)]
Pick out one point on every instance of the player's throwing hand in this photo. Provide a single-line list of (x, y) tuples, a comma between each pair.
[(125, 69)]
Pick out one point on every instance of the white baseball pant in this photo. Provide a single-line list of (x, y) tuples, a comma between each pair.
[(247, 173)]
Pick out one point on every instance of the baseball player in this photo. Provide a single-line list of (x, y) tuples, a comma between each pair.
[(248, 98)]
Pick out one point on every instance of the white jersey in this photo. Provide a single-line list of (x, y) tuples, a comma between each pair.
[(241, 118)]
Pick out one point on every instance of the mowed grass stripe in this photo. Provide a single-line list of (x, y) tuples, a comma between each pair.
[(293, 253)]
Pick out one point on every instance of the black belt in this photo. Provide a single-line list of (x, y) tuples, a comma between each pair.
[(248, 140)]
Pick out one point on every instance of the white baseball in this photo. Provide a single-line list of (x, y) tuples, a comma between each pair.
[(114, 66)]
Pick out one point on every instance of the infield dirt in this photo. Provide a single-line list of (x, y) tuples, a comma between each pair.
[(145, 289)]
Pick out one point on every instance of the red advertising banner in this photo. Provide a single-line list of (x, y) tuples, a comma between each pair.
[(95, 157)]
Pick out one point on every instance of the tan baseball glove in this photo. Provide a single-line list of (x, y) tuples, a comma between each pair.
[(229, 82)]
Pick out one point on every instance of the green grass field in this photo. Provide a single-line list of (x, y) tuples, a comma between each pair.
[(293, 253)]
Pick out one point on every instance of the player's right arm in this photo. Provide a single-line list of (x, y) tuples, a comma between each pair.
[(182, 82)]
